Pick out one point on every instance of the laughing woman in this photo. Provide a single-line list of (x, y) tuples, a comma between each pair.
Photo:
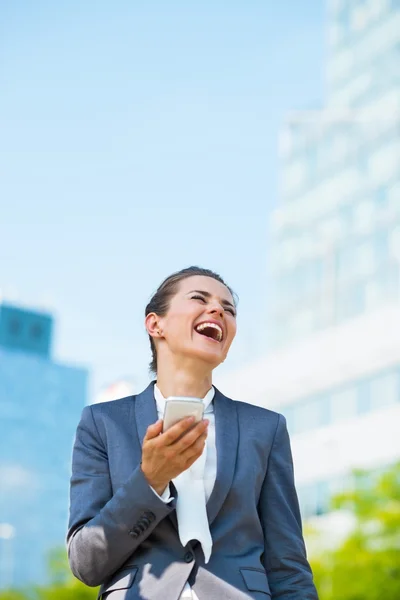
[(200, 511)]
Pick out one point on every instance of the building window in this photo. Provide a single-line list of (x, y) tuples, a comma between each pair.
[(308, 500), (315, 498), (358, 398), (343, 404), (311, 414), (36, 331), (385, 390), (350, 302), (363, 397), (14, 327), (322, 497)]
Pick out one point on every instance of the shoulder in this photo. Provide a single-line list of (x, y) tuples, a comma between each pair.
[(111, 405), (258, 412), (255, 412), (102, 411), (98, 417)]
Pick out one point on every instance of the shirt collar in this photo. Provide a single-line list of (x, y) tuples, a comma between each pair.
[(160, 400)]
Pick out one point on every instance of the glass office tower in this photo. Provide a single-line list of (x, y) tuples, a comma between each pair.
[(40, 405), (333, 368), (336, 234), (336, 241)]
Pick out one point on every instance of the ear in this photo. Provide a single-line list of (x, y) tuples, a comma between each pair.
[(152, 324)]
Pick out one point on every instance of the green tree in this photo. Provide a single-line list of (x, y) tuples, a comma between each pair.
[(366, 565), (13, 595)]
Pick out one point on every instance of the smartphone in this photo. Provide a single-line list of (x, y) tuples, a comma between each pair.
[(180, 407)]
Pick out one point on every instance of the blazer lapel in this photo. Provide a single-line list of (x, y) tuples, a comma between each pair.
[(145, 411), (226, 439), (145, 415)]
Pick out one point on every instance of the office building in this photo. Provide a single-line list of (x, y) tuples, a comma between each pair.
[(334, 363), (40, 404)]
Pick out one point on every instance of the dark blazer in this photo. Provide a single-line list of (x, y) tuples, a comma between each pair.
[(123, 537)]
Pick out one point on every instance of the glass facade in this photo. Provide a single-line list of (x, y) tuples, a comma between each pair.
[(40, 405), (356, 398), (363, 43), (336, 234), (335, 251), (315, 498)]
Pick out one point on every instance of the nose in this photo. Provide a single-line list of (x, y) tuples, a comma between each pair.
[(216, 309)]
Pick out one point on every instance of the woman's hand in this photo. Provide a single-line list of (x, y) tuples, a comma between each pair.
[(166, 455)]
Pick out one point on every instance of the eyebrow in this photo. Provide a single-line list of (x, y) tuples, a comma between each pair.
[(208, 295)]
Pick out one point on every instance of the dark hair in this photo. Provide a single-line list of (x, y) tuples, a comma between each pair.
[(159, 303)]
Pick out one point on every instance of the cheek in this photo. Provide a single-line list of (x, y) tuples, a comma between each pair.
[(232, 332), (178, 326)]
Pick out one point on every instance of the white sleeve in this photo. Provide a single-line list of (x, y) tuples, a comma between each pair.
[(165, 496)]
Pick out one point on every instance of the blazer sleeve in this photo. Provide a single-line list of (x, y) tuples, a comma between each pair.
[(105, 528), (285, 559)]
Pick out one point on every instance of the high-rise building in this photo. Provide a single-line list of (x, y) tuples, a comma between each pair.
[(336, 234), (40, 404), (334, 364)]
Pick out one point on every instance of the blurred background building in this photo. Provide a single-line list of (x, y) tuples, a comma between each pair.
[(334, 365), (40, 405), (117, 389)]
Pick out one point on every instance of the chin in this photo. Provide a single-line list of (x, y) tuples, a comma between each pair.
[(213, 359)]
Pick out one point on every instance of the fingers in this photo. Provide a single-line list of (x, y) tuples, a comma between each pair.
[(163, 460), (177, 430), (153, 430), (194, 451), (197, 433)]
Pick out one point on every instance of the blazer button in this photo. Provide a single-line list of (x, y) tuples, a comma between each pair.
[(188, 557), (150, 516), (145, 522), (133, 534)]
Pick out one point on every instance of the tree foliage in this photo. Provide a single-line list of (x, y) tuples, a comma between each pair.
[(366, 565)]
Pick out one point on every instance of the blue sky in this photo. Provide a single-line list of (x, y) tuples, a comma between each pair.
[(137, 138)]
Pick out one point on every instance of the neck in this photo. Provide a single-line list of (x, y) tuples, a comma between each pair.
[(188, 380)]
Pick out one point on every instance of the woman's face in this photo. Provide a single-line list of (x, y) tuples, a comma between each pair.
[(201, 320)]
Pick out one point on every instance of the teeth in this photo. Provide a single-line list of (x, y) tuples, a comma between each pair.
[(203, 326)]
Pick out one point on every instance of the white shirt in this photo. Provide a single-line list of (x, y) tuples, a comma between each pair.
[(210, 469)]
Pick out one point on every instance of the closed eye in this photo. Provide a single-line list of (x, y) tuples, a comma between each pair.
[(227, 309)]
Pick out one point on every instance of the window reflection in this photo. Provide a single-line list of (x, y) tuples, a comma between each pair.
[(357, 398)]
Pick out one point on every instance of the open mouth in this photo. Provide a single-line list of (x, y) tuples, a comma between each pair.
[(210, 330)]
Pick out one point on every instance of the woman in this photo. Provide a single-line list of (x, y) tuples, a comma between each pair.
[(200, 511)]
